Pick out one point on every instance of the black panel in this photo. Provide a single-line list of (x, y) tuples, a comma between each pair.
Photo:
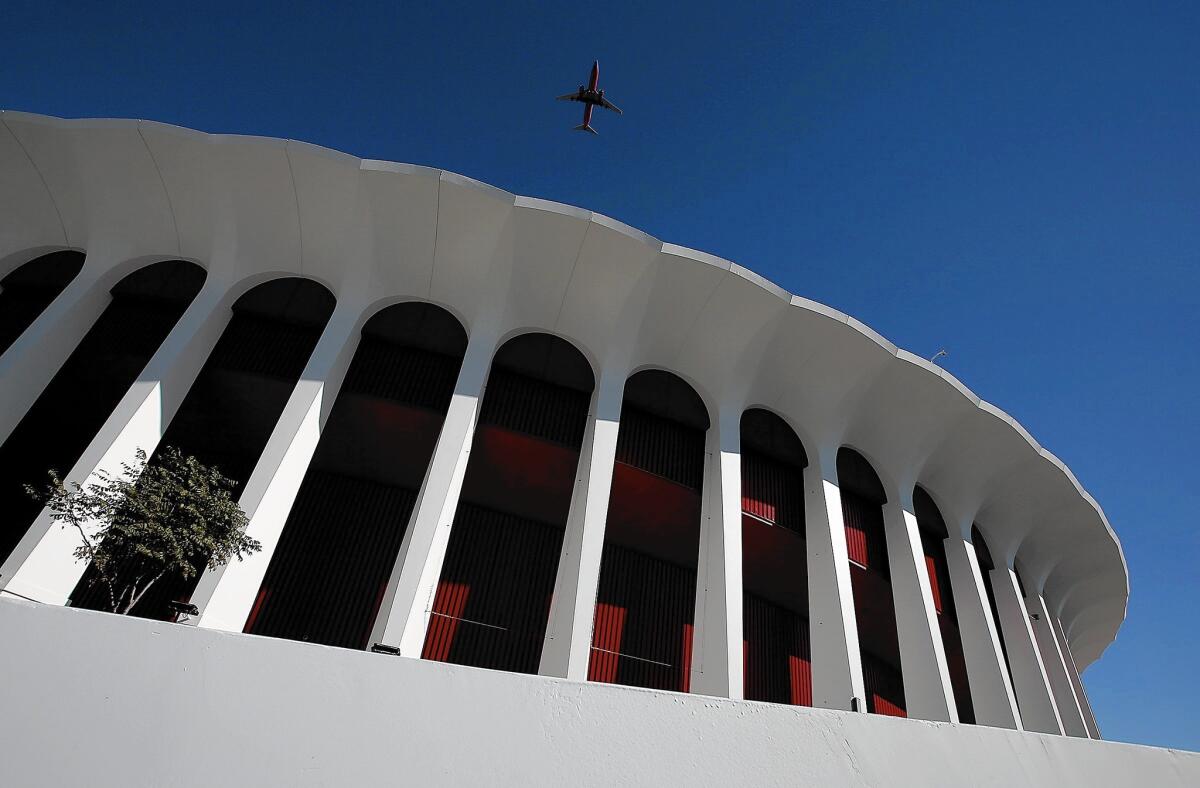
[(856, 475), (663, 394), (414, 377), (331, 567), (544, 410), (84, 392), (27, 291), (778, 662), (661, 446), (493, 599), (766, 434), (642, 635)]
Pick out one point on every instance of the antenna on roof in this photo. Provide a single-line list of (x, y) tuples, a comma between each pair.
[(938, 355)]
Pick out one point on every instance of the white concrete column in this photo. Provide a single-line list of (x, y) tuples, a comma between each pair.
[(837, 675), (404, 614), (42, 566), (32, 360), (991, 692), (1028, 673), (567, 648), (1085, 705), (717, 651), (928, 694), (1056, 667), (226, 594)]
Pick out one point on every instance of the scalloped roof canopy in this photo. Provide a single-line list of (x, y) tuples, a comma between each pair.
[(245, 208)]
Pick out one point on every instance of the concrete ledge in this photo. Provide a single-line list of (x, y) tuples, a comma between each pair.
[(90, 698)]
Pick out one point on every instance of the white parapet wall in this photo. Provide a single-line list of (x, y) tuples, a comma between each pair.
[(94, 699)]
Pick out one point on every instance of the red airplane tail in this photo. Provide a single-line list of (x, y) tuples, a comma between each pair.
[(586, 127)]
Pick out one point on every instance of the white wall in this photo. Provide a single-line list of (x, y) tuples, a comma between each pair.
[(91, 698)]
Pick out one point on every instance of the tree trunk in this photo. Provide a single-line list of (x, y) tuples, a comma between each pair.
[(136, 596)]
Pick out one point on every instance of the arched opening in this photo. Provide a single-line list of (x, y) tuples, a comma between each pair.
[(984, 556), (493, 597), (235, 401), (54, 432), (777, 656), (874, 606), (329, 572), (28, 290), (645, 605), (933, 542)]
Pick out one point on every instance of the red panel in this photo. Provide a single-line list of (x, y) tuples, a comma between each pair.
[(935, 585), (885, 691), (448, 605), (652, 636), (653, 515), (778, 665), (856, 544), (520, 474), (263, 595), (800, 679), (864, 532), (685, 664), (881, 705), (606, 643)]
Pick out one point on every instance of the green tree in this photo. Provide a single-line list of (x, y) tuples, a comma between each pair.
[(173, 516)]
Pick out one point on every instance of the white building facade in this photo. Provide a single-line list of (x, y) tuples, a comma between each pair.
[(476, 428)]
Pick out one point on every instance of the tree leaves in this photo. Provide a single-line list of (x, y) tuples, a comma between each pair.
[(172, 514)]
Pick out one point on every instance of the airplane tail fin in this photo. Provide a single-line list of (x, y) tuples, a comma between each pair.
[(585, 127)]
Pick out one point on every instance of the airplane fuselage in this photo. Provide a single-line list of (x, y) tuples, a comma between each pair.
[(592, 93), (590, 96)]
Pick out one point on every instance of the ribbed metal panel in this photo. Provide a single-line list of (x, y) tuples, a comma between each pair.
[(661, 446), (535, 407), (943, 601), (404, 374), (262, 346), (777, 658), (493, 599), (331, 567), (642, 635), (885, 690), (864, 532), (772, 491)]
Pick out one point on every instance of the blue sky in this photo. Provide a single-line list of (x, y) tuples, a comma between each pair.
[(1019, 185)]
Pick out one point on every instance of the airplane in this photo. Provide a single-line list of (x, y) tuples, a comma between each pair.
[(591, 97)]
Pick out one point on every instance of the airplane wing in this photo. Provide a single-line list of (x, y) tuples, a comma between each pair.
[(609, 105), (576, 96)]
